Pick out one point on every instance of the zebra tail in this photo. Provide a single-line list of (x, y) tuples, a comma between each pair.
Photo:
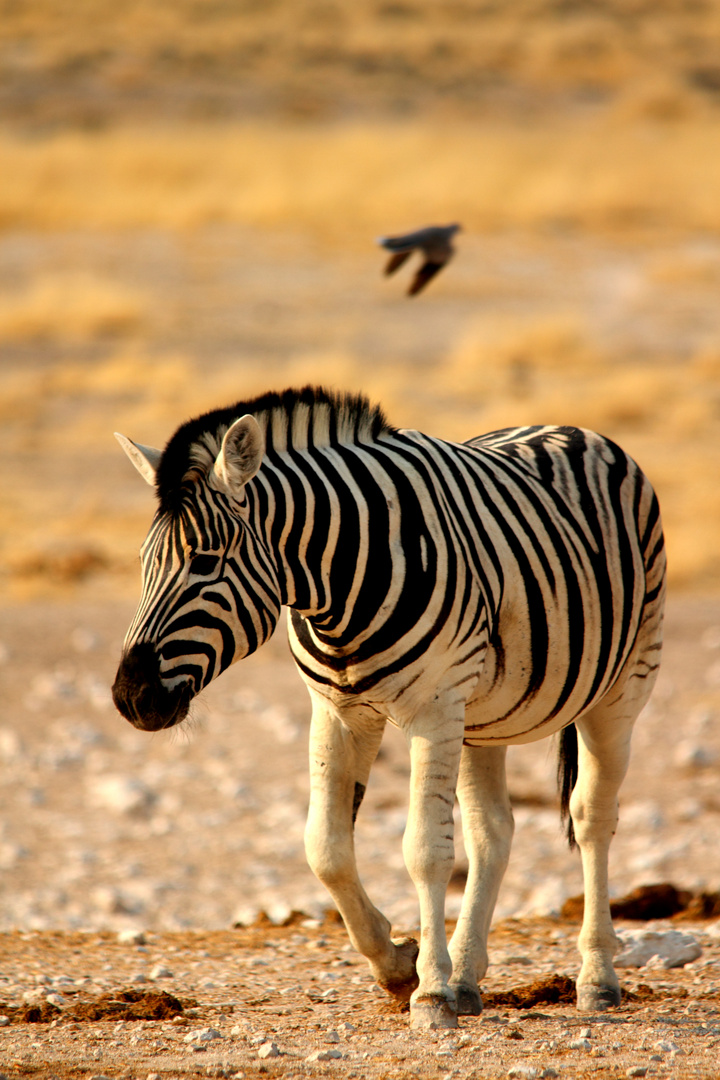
[(567, 773)]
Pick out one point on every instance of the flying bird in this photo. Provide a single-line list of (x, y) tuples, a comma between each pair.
[(435, 244)]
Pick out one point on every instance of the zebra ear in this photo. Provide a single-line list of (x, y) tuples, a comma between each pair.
[(240, 455), (145, 458)]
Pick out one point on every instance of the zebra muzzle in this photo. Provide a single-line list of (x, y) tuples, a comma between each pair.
[(140, 695)]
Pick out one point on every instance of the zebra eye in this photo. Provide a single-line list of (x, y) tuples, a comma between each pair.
[(204, 565)]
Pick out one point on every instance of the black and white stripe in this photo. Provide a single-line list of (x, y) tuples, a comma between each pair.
[(397, 552)]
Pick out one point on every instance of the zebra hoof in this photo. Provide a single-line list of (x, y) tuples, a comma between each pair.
[(432, 1012), (403, 980), (592, 999), (469, 1002)]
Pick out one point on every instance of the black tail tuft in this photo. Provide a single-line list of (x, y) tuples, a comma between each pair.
[(567, 773)]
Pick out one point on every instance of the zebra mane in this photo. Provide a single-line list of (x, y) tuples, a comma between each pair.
[(290, 419)]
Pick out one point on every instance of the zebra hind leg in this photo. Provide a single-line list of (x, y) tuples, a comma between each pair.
[(487, 830), (603, 752)]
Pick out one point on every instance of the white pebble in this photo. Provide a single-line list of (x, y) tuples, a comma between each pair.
[(674, 948), (523, 1072), (34, 997), (160, 972), (131, 937), (580, 1044), (4, 1021), (123, 794), (268, 1050), (55, 999), (203, 1035), (693, 755)]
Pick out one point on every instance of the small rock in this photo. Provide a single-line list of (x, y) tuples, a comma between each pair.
[(55, 999), (4, 1021), (674, 948), (202, 1035), (324, 1055), (347, 1028), (637, 1070), (34, 997), (549, 1073), (523, 1072), (332, 1037), (154, 1076), (580, 1044), (268, 1050), (131, 937), (665, 1046), (692, 755), (123, 794), (160, 972), (585, 1033)]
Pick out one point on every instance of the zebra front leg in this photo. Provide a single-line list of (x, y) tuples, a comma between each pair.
[(435, 738), (488, 829), (340, 761)]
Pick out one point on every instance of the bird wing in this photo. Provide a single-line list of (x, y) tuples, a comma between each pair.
[(427, 271), (396, 260), (409, 241)]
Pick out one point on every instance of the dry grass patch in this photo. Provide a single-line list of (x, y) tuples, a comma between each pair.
[(346, 183), (76, 307)]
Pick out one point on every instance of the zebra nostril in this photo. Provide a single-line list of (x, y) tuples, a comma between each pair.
[(141, 697)]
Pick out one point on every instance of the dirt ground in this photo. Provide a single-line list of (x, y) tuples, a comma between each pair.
[(128, 858), (275, 1001)]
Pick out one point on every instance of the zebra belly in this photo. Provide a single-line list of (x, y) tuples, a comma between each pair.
[(508, 706)]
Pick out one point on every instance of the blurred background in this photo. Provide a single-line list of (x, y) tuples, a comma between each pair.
[(189, 199)]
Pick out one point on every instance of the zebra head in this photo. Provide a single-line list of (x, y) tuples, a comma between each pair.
[(210, 593)]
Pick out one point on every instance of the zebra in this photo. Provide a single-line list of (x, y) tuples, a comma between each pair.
[(476, 595)]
